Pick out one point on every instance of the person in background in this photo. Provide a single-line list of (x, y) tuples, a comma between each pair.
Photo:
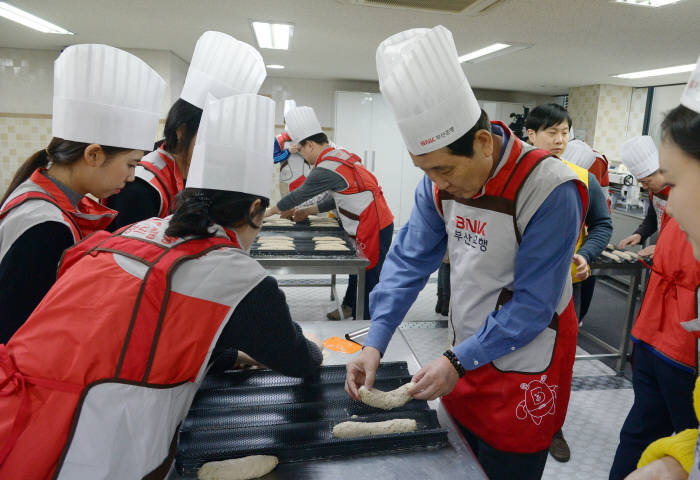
[(293, 167), (104, 398), (492, 202), (45, 209), (220, 66), (548, 127), (640, 156), (678, 457), (355, 193)]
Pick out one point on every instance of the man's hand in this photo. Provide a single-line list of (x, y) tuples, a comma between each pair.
[(582, 270), (647, 251), (271, 211), (293, 148), (436, 379), (666, 468), (301, 214), (361, 371), (243, 360), (633, 239), (287, 214)]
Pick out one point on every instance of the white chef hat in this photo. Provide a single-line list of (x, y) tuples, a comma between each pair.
[(640, 156), (233, 148), (579, 153), (222, 66), (107, 96), (302, 123), (422, 80), (288, 105), (691, 94)]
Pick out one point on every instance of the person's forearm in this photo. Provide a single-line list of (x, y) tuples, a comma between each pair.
[(648, 225)]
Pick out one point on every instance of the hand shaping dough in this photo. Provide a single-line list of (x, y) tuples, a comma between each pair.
[(244, 468), (386, 400), (363, 429)]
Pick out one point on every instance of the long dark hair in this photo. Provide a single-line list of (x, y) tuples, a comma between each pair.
[(200, 208), (181, 113), (60, 152), (682, 126)]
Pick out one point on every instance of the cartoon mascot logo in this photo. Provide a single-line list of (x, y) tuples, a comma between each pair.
[(540, 400)]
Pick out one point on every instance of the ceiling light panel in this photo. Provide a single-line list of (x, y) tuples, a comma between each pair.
[(29, 20), (647, 3), (273, 35), (657, 72)]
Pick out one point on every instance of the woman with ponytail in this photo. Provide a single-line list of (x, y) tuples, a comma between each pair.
[(172, 294), (45, 209), (220, 66)]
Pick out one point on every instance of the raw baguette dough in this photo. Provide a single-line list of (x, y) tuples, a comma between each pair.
[(271, 238), (327, 239), (386, 400), (624, 255), (245, 468), (611, 256), (363, 429), (334, 247), (276, 247)]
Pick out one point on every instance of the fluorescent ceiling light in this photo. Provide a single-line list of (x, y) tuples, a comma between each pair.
[(273, 35), (483, 52), (658, 71), (275, 67), (648, 3), (29, 20)]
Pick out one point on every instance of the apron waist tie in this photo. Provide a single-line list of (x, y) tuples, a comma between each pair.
[(15, 382)]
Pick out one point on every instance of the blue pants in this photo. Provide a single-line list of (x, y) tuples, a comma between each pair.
[(372, 275), (663, 404)]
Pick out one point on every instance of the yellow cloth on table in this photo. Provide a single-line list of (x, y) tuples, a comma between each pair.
[(680, 446)]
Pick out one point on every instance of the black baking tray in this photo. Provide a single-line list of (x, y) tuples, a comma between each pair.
[(260, 412), (304, 244), (303, 225)]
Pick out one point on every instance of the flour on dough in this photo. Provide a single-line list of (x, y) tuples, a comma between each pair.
[(386, 400), (245, 468), (364, 429)]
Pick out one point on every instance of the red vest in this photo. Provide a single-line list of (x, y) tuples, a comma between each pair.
[(165, 178), (517, 402), (89, 217), (95, 383), (362, 207), (670, 297), (599, 169)]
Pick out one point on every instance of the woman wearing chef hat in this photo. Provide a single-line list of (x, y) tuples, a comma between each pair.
[(507, 377), (640, 156), (105, 114), (100, 389), (677, 457), (221, 66)]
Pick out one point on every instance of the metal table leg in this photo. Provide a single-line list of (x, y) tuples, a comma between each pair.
[(360, 302), (332, 286), (629, 319)]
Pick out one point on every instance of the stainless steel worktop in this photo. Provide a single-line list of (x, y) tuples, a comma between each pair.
[(454, 461)]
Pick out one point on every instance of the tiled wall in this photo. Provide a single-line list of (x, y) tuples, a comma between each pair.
[(609, 114), (583, 108), (20, 137)]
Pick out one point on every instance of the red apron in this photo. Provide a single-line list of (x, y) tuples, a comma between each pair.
[(167, 179)]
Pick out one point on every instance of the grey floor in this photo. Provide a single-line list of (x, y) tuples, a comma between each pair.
[(600, 399)]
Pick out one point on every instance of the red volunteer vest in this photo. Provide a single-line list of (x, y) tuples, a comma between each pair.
[(71, 344), (670, 298), (600, 170), (362, 219), (88, 218), (167, 179), (509, 409), (659, 201)]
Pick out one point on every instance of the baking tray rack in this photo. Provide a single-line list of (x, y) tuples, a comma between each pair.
[(261, 412), (304, 244)]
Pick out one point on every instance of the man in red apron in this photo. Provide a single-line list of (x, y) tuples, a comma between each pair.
[(640, 156), (492, 202), (354, 192)]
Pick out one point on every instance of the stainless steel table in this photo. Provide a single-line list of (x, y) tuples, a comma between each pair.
[(456, 461), (634, 271), (313, 265)]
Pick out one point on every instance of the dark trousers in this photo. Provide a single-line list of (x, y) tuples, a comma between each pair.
[(582, 295), (663, 404), (500, 465), (371, 275)]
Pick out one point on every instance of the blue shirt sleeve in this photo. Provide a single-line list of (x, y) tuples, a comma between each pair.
[(542, 265), (415, 253), (598, 221)]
